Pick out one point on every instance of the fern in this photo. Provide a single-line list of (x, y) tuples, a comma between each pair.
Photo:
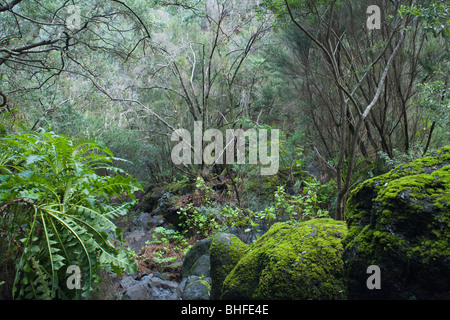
[(50, 184)]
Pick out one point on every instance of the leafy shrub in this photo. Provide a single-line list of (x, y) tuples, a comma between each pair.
[(163, 235), (205, 192), (304, 206), (56, 212), (201, 221)]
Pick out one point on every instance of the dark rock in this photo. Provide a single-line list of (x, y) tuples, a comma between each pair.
[(168, 206), (150, 200), (174, 267), (134, 236), (400, 221), (246, 237), (181, 287), (141, 222), (197, 288), (156, 221), (136, 240), (107, 289), (201, 267), (200, 249)]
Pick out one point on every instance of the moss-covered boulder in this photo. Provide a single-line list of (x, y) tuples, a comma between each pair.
[(291, 262), (225, 252), (400, 221), (197, 289)]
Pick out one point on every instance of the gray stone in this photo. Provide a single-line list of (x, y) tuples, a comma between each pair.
[(146, 279), (197, 288), (202, 267), (134, 236), (142, 221), (164, 284), (156, 221), (200, 249), (173, 267), (181, 287), (163, 289), (168, 206), (138, 291), (107, 289), (128, 282)]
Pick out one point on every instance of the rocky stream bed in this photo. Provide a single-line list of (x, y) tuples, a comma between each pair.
[(399, 222)]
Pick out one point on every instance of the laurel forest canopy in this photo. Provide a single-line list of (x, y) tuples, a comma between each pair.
[(91, 92)]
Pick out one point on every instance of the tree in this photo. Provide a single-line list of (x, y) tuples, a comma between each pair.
[(357, 79), (43, 40)]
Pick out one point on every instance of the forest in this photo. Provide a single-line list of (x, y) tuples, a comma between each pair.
[(293, 139)]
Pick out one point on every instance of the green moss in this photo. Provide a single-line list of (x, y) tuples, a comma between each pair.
[(206, 285), (291, 261), (400, 221), (226, 250)]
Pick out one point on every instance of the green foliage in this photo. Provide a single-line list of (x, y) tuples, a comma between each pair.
[(206, 193), (436, 101), (163, 235), (209, 217), (179, 186), (202, 221), (51, 192), (304, 206), (435, 15), (399, 157)]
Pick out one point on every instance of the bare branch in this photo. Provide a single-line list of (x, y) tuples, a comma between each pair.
[(9, 6)]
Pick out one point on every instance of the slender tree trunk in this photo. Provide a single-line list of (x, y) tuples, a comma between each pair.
[(433, 126)]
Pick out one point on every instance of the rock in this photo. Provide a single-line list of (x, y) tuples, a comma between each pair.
[(201, 248), (146, 279), (174, 267), (197, 288), (127, 282), (134, 236), (150, 200), (226, 250), (246, 237), (156, 221), (291, 262), (138, 291), (202, 267), (137, 239), (107, 289), (147, 221), (400, 221), (141, 222), (168, 206), (163, 289), (181, 287)]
